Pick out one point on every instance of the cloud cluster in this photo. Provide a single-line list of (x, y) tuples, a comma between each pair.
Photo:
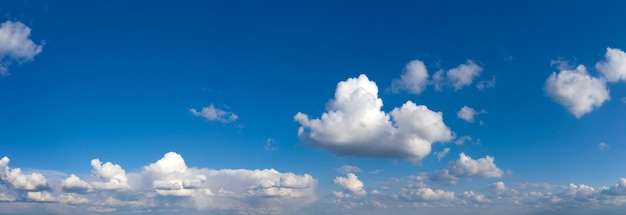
[(355, 125), (167, 184), (414, 78), (581, 93), (19, 180), (465, 166), (212, 113), (16, 45)]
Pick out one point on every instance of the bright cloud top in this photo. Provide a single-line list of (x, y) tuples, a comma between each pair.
[(15, 45), (354, 125), (351, 184), (465, 166), (19, 180), (576, 90)]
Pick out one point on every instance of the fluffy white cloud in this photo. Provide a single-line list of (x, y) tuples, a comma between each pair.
[(355, 125), (414, 78), (576, 90), (463, 75), (214, 114), (21, 181), (613, 68), (465, 166), (74, 184), (15, 45), (348, 169), (113, 176), (477, 198), (352, 184), (467, 113)]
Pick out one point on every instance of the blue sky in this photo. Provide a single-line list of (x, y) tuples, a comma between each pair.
[(352, 107)]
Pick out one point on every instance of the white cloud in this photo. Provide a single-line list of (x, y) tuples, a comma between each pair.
[(414, 78), (41, 196), (477, 198), (352, 184), (442, 154), (467, 113), (355, 125), (576, 90), (348, 169), (425, 194), (613, 68), (603, 146), (113, 175), (74, 184), (21, 181), (463, 75), (465, 166), (15, 45), (214, 114)]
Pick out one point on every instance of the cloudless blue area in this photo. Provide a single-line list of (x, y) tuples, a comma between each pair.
[(116, 79)]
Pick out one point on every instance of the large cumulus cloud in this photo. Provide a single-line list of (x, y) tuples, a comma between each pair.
[(355, 125)]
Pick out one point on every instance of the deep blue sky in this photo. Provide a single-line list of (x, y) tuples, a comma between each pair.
[(116, 80)]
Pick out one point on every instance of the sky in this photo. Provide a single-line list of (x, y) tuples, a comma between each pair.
[(312, 107)]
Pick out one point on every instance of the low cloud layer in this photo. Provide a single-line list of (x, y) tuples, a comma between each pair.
[(355, 125)]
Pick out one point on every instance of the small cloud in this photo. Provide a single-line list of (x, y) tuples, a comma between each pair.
[(214, 114), (613, 67), (466, 167), (603, 146), (413, 80), (348, 169), (467, 113), (463, 139), (375, 172), (485, 84), (442, 154), (15, 45), (270, 145)]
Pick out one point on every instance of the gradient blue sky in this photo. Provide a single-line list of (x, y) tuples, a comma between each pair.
[(118, 81)]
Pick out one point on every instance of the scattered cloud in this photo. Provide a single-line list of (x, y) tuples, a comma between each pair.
[(463, 75), (442, 154), (613, 67), (354, 125), (270, 145), (463, 139), (345, 169), (351, 184), (603, 146), (16, 45), (465, 166), (486, 84), (425, 194), (467, 113), (414, 78), (576, 90), (214, 114), (618, 190)]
